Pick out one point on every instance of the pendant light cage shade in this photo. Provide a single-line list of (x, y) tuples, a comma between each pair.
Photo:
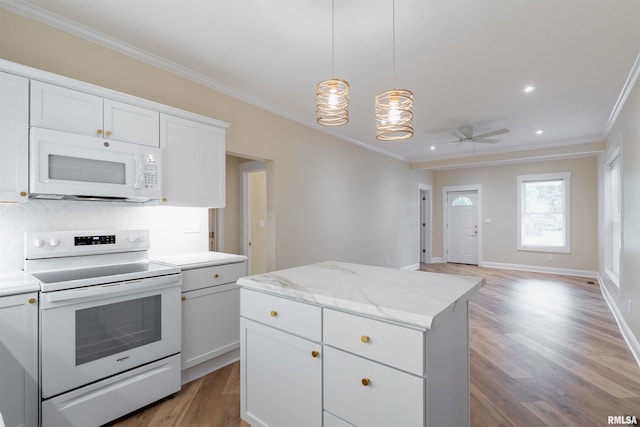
[(332, 102), (394, 115)]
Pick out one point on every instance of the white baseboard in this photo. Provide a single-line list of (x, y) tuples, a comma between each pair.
[(209, 366), (628, 336), (538, 269), (412, 267)]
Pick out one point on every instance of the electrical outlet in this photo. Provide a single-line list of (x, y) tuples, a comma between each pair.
[(549, 257)]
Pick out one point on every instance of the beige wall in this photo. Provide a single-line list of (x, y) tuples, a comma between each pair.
[(625, 133), (330, 199), (258, 203), (499, 204)]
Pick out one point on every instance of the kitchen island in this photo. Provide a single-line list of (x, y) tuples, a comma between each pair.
[(338, 344)]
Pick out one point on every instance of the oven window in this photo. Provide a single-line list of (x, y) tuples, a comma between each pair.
[(67, 168), (110, 329)]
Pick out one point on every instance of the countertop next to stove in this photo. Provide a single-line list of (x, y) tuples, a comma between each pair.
[(200, 259), (15, 282)]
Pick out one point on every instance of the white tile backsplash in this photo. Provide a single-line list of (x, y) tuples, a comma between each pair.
[(167, 225)]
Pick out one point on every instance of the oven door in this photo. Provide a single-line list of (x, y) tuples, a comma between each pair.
[(97, 331), (64, 164)]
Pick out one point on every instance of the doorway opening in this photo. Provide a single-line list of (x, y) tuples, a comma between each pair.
[(254, 214)]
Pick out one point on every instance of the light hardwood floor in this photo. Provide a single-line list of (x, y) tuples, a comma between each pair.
[(544, 350)]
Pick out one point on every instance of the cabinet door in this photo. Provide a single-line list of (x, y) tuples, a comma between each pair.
[(14, 138), (59, 108), (281, 379), (128, 123), (19, 360), (210, 323), (193, 158)]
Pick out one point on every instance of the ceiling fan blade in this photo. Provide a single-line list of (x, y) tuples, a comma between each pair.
[(494, 133), (486, 141), (457, 135)]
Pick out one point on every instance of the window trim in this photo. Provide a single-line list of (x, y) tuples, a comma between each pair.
[(616, 156), (566, 177)]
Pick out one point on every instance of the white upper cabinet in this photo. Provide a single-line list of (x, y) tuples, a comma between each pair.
[(129, 123), (193, 160), (59, 108), (14, 138)]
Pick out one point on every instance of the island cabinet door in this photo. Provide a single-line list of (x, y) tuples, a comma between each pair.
[(281, 378), (366, 393)]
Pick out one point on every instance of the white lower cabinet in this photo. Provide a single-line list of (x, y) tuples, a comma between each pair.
[(19, 399), (281, 378), (210, 312), (210, 323), (373, 372)]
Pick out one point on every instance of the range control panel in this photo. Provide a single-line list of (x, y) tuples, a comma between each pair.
[(48, 244)]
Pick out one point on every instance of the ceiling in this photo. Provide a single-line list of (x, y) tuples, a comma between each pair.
[(466, 61)]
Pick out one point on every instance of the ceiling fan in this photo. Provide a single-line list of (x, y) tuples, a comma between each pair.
[(465, 134)]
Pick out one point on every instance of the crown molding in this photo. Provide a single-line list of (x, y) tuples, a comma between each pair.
[(626, 90)]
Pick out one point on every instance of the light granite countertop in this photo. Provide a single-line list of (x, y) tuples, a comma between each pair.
[(15, 282), (187, 261), (417, 298)]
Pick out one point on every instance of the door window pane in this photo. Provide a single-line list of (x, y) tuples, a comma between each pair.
[(113, 328)]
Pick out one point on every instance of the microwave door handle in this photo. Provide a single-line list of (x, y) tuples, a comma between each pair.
[(138, 171)]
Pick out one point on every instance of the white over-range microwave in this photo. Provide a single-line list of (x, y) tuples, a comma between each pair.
[(69, 166)]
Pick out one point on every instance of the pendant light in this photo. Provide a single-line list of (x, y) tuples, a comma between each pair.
[(394, 108), (332, 96)]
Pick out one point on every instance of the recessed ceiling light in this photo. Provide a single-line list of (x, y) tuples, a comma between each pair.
[(433, 147), (529, 89), (539, 132)]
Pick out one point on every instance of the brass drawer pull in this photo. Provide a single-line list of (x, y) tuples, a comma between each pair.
[(364, 339), (32, 300), (366, 382), (183, 298), (273, 313), (215, 276), (315, 353)]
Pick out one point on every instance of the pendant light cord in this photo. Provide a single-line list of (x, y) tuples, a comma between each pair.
[(393, 44), (333, 43)]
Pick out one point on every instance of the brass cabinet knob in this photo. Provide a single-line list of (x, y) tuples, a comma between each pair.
[(273, 313), (23, 193), (215, 276), (364, 339), (99, 131), (183, 298), (32, 300), (315, 353), (108, 133), (366, 382)]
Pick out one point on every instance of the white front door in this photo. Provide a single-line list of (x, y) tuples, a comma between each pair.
[(462, 227)]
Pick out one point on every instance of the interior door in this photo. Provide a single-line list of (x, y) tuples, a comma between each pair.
[(462, 227)]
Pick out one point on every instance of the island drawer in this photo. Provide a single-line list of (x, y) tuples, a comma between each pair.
[(366, 393), (384, 342), (298, 318), (198, 278)]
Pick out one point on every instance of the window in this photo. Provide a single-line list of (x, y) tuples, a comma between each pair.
[(543, 212), (462, 201), (613, 218)]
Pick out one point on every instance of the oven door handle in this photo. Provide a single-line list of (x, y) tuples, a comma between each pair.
[(88, 293)]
